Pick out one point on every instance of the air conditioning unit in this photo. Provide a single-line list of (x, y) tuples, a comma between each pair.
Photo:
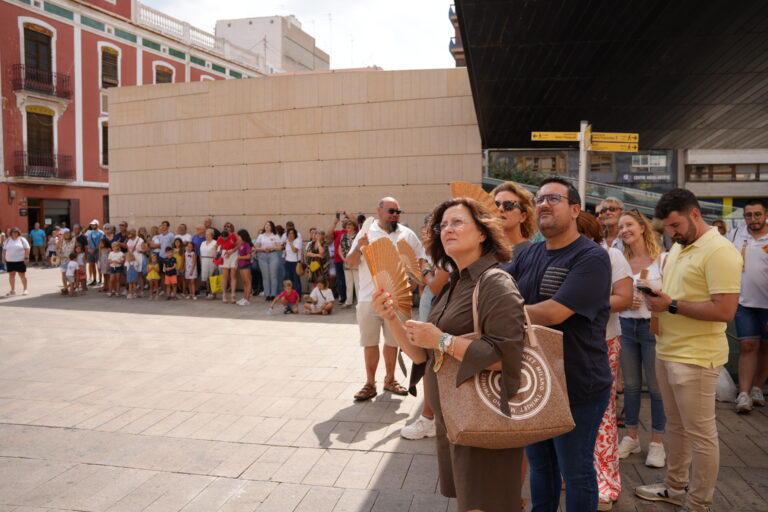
[(104, 103)]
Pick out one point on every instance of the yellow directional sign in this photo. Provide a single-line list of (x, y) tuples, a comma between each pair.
[(565, 136), (615, 137), (611, 146)]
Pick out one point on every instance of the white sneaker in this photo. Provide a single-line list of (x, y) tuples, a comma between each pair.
[(660, 492), (757, 396), (241, 302), (657, 457), (628, 446), (419, 429), (743, 403)]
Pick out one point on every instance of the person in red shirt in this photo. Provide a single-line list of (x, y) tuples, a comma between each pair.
[(338, 261), (289, 298)]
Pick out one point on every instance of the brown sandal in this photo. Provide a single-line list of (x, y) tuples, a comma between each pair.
[(394, 387), (368, 392)]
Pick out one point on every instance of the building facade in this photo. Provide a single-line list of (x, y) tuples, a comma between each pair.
[(455, 46), (57, 61), (280, 40)]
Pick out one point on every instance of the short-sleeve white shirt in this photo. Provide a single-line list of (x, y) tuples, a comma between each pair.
[(754, 279), (619, 270), (376, 232)]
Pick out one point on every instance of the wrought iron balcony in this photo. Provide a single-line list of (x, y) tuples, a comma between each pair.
[(452, 13), (39, 165), (455, 46), (26, 78)]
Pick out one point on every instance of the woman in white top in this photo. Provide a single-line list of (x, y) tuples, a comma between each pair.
[(638, 344), (268, 246), (15, 259), (292, 256), (136, 246), (207, 254), (64, 248)]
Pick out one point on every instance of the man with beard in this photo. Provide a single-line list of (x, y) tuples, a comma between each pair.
[(566, 284), (370, 324), (699, 295), (752, 313)]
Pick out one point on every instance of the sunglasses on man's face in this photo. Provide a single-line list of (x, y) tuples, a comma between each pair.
[(508, 205), (394, 211), (611, 209)]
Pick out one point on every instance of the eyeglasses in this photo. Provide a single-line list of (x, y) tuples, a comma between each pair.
[(394, 211), (756, 215), (553, 199), (610, 209), (456, 224), (508, 205)]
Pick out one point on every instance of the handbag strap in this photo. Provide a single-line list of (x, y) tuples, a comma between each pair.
[(530, 339)]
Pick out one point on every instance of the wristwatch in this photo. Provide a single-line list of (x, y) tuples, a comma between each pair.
[(673, 307)]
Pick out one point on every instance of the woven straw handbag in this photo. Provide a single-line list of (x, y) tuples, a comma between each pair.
[(540, 409)]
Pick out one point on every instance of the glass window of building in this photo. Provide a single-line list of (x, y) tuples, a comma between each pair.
[(109, 75)]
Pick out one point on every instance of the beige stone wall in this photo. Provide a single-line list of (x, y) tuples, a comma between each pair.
[(295, 147)]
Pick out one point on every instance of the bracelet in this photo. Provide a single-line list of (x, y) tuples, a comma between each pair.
[(452, 347)]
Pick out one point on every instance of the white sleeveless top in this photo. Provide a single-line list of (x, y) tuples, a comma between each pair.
[(653, 280)]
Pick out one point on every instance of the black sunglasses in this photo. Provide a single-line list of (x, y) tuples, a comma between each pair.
[(508, 205), (609, 209), (393, 211)]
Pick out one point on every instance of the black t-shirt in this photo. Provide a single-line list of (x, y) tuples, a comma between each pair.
[(168, 262), (82, 240), (577, 276), (121, 238)]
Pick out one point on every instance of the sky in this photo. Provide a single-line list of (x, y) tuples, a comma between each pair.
[(394, 34)]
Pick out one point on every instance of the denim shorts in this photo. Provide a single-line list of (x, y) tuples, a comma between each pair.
[(751, 323)]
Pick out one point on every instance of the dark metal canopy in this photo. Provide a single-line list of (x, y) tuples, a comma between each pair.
[(682, 73)]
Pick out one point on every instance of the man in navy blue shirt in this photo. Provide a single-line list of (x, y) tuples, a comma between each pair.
[(566, 283)]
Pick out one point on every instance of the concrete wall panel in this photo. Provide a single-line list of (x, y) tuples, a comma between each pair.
[(291, 147)]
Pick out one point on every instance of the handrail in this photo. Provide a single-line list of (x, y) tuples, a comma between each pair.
[(32, 79), (40, 164)]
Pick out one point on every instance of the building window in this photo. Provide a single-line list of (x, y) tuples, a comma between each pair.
[(104, 143), (601, 162), (37, 48), (551, 164), (40, 130), (163, 74), (109, 67), (727, 172)]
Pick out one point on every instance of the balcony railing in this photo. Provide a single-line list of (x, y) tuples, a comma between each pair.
[(455, 46), (452, 12), (26, 78), (36, 164)]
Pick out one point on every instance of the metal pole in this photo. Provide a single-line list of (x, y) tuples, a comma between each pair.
[(583, 144)]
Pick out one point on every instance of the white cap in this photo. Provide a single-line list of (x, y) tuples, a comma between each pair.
[(94, 221)]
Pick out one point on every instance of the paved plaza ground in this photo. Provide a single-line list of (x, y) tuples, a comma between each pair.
[(117, 405)]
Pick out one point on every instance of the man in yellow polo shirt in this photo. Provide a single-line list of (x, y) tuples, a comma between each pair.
[(700, 292)]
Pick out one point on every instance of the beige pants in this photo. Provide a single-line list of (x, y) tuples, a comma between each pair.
[(352, 278), (688, 392)]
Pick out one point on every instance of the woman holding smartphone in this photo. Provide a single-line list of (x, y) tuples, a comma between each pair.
[(638, 343)]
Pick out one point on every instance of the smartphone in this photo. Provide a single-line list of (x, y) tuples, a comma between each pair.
[(647, 291), (338, 215)]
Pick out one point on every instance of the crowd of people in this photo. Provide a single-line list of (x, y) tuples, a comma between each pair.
[(130, 262), (636, 299)]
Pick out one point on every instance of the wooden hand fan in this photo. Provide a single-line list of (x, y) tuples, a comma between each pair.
[(410, 261), (465, 189), (388, 273)]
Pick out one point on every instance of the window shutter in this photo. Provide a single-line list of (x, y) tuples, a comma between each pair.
[(163, 75), (108, 68)]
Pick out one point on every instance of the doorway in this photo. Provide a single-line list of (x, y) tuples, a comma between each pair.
[(48, 211)]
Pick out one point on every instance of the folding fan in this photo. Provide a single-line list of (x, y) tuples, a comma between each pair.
[(366, 225), (464, 189), (388, 273), (410, 261)]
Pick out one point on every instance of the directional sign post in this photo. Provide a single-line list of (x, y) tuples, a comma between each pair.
[(590, 141)]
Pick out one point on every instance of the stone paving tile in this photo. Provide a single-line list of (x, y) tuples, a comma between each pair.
[(268, 463), (248, 497), (214, 496), (320, 499), (359, 470), (356, 500), (20, 476), (284, 497)]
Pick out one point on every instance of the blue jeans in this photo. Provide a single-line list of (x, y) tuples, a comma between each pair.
[(269, 263), (341, 282), (290, 274), (572, 456), (638, 353), (280, 270)]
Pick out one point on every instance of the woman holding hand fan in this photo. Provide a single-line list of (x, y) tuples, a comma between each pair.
[(465, 236)]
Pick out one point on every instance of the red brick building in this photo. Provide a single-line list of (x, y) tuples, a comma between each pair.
[(57, 58)]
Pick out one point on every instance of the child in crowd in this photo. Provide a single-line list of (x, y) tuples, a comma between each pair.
[(70, 273), (153, 276), (81, 281), (53, 240), (289, 299), (320, 301), (132, 270), (169, 269), (190, 271), (115, 259), (178, 254), (104, 249)]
